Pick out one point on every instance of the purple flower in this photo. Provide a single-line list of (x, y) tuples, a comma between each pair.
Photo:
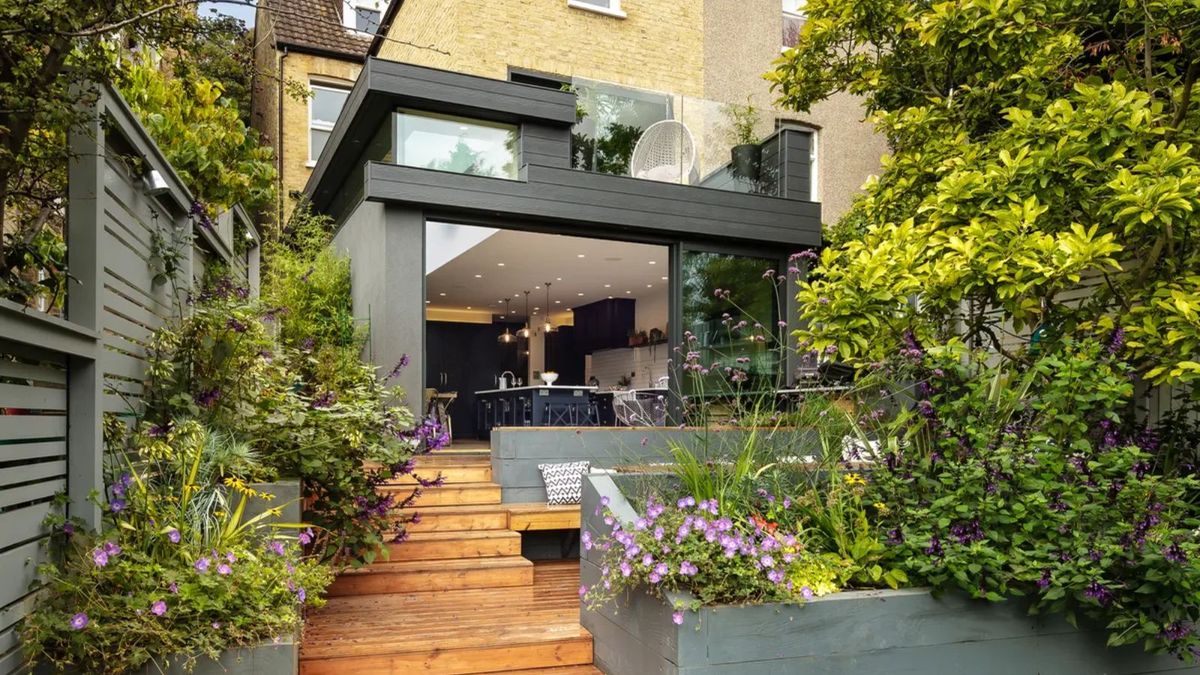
[(325, 400), (776, 576), (583, 589), (118, 489), (173, 535), (1116, 341), (1098, 592), (301, 594), (216, 625), (585, 539), (235, 325), (99, 557), (677, 617), (1044, 582), (207, 399), (687, 569), (202, 565), (276, 547), (1175, 554), (117, 505), (158, 608), (626, 570), (306, 537), (767, 561), (68, 529), (224, 569), (806, 593), (174, 588), (404, 361), (231, 557), (79, 621)]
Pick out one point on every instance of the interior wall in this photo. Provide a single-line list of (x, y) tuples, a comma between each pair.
[(651, 312)]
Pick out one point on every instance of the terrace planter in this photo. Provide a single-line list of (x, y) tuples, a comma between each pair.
[(745, 160), (287, 498), (269, 658), (905, 631)]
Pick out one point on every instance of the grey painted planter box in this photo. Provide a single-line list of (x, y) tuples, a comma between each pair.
[(287, 497), (265, 659), (895, 632), (516, 451)]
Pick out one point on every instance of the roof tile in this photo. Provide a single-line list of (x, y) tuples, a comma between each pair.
[(316, 24)]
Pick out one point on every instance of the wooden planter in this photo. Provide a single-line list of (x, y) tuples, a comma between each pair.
[(269, 658), (905, 631)]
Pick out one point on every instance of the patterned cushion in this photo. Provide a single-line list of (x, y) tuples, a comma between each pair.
[(564, 482)]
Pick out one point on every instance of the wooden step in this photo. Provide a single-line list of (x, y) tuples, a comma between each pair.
[(541, 516), (457, 545), (436, 575), (450, 473), (560, 670), (456, 494), (457, 518), (533, 629)]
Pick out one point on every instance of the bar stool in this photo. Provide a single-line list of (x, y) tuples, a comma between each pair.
[(593, 411), (524, 412), (559, 414), (483, 414), (502, 412)]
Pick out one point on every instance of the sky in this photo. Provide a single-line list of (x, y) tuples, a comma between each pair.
[(240, 10)]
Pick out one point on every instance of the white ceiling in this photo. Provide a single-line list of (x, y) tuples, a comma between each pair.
[(509, 262)]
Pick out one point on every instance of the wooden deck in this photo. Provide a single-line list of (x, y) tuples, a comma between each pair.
[(458, 597)]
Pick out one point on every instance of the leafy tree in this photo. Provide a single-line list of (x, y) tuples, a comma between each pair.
[(221, 51), (1044, 179), (202, 134)]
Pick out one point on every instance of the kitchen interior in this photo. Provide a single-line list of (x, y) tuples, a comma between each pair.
[(532, 329)]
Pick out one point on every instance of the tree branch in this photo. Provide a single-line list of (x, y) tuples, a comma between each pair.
[(1185, 97)]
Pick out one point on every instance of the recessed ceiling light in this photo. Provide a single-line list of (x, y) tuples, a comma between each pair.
[(570, 309), (610, 297), (478, 276), (628, 292), (608, 285), (536, 308), (442, 294), (653, 262), (468, 307), (664, 278), (558, 302), (537, 288), (581, 295), (499, 264), (580, 255), (558, 278), (649, 285), (427, 302)]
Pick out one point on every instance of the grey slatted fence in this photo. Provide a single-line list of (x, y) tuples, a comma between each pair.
[(58, 376)]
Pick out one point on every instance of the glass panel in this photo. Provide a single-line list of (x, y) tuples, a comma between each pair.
[(607, 4), (366, 20), (731, 309), (456, 144), (611, 119), (327, 105), (316, 142), (793, 21)]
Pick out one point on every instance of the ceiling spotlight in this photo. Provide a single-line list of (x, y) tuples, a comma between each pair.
[(664, 278), (442, 294), (608, 285), (581, 295), (580, 255), (499, 264), (653, 262), (478, 276)]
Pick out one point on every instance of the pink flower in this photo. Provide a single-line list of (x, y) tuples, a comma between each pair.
[(583, 589), (223, 569), (677, 617), (99, 557), (173, 536), (202, 565), (79, 621), (158, 608)]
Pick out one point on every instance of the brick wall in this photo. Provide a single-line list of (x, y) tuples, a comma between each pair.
[(658, 46)]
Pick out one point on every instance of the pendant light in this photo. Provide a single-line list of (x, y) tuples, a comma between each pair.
[(525, 332), (548, 327), (506, 337)]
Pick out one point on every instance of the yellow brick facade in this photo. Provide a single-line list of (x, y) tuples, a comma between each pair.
[(657, 46)]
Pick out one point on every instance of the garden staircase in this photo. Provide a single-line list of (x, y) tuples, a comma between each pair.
[(457, 597)]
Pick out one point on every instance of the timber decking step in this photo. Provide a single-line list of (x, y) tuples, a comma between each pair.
[(454, 494), (523, 517), (453, 545), (451, 473), (457, 518), (532, 629), (561, 670), (433, 575)]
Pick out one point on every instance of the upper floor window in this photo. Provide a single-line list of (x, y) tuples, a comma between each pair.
[(793, 21), (609, 7), (455, 144), (363, 15), (323, 109)]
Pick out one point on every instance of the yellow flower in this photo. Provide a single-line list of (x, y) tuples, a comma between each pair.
[(882, 508), (855, 479)]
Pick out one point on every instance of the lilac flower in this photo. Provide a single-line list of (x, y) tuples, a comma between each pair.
[(626, 570), (583, 589), (117, 505), (776, 576), (158, 608), (301, 594), (216, 625), (224, 569), (1098, 592), (99, 557), (325, 400), (68, 529), (79, 621), (585, 538), (1175, 554), (677, 618), (806, 593), (208, 399), (276, 547), (306, 537), (1044, 582), (202, 565), (173, 536), (686, 502), (687, 569), (174, 588), (767, 561)]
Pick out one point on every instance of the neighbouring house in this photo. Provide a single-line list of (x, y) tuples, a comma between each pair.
[(697, 55), (313, 46)]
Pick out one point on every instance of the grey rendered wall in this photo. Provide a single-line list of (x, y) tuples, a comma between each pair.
[(386, 246), (896, 632)]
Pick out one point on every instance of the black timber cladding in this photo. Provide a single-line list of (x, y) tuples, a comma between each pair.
[(548, 191)]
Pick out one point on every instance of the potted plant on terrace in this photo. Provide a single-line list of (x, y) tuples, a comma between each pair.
[(746, 153)]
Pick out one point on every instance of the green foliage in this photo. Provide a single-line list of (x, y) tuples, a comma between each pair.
[(743, 123), (202, 134), (1020, 481), (1038, 148), (221, 51), (178, 572)]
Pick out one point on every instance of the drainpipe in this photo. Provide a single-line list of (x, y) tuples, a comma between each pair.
[(279, 142)]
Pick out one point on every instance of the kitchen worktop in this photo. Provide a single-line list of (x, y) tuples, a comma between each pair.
[(558, 387)]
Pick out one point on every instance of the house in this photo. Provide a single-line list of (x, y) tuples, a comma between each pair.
[(307, 55), (707, 53)]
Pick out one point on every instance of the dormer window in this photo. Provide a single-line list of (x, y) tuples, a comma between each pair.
[(363, 15)]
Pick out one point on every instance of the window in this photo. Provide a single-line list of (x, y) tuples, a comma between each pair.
[(456, 144), (609, 7), (363, 15), (793, 21), (323, 109)]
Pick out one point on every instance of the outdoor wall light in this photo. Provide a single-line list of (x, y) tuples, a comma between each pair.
[(155, 184)]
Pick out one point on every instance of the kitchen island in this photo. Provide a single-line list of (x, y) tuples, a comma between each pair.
[(546, 405)]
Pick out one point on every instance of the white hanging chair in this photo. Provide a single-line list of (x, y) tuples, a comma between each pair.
[(665, 152)]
